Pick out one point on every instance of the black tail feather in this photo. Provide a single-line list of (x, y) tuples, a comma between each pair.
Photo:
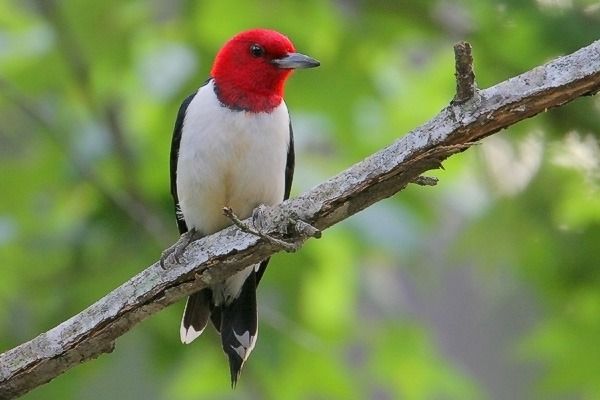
[(239, 327), (195, 316), (215, 317)]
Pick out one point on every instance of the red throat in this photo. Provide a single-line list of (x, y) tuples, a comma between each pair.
[(244, 81), (248, 97)]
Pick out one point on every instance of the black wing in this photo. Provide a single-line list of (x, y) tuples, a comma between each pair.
[(174, 156), (289, 167), (289, 175)]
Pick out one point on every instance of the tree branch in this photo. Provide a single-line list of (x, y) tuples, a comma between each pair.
[(465, 77), (213, 258)]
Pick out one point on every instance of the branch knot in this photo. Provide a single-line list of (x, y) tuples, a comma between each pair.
[(465, 77)]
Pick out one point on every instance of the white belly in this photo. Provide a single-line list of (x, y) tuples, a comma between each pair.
[(229, 158)]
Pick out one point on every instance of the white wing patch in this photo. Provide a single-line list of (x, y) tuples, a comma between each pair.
[(190, 334), (246, 342)]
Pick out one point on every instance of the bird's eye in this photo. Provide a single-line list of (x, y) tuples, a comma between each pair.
[(256, 50)]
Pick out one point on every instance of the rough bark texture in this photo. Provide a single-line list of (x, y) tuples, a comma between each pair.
[(94, 330), (465, 77)]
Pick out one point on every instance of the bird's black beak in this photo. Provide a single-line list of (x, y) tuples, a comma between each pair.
[(295, 60)]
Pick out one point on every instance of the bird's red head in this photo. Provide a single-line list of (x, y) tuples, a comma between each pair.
[(251, 69)]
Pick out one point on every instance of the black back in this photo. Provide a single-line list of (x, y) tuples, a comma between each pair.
[(175, 142)]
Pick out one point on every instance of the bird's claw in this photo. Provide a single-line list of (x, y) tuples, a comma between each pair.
[(293, 226), (178, 248), (259, 228)]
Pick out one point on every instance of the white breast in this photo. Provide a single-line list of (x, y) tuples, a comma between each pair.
[(229, 158)]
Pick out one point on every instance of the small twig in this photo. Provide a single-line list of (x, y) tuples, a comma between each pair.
[(123, 151), (425, 180), (289, 247), (465, 77), (305, 229)]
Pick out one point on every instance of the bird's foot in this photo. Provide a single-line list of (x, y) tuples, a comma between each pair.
[(259, 228), (178, 248), (291, 226), (258, 231)]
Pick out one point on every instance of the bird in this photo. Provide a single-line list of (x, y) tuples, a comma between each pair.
[(233, 146)]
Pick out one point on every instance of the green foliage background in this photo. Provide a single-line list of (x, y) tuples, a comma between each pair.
[(484, 287)]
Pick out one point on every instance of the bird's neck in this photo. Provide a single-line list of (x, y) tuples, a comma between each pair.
[(248, 97)]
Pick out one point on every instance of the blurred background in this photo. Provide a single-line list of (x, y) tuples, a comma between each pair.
[(484, 287)]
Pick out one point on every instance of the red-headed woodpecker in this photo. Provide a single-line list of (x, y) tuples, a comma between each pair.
[(233, 147)]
